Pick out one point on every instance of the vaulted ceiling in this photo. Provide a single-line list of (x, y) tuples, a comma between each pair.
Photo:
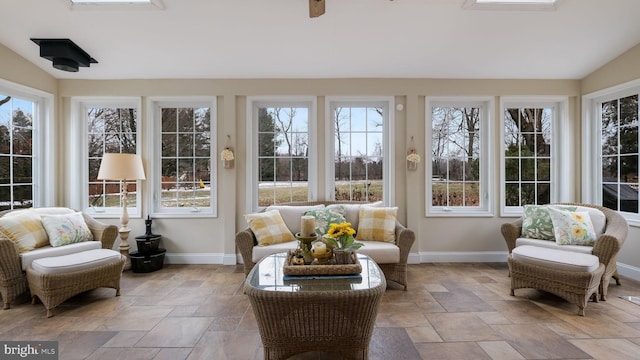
[(353, 39)]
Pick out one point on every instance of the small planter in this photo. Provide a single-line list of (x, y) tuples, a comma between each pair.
[(141, 263), (147, 244), (343, 257)]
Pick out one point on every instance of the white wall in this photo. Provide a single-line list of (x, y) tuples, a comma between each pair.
[(469, 239), (438, 239)]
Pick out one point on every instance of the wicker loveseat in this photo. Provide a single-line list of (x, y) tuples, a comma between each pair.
[(606, 247), (247, 245), (52, 288)]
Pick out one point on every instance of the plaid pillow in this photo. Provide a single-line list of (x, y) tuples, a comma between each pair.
[(377, 224), (269, 228), (24, 230)]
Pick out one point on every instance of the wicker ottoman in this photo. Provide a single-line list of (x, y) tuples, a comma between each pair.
[(56, 279), (572, 276)]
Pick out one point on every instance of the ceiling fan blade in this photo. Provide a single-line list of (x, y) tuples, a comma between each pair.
[(316, 8)]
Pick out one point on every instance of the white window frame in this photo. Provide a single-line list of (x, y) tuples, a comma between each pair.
[(562, 175), (154, 174), (388, 131), (486, 104), (79, 159), (592, 142), (43, 140), (253, 104)]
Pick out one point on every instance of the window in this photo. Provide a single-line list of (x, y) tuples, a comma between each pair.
[(536, 5), (619, 119), (281, 146), (22, 158), (611, 161), (109, 126), (117, 4), (184, 157), (527, 164), (16, 152), (531, 160), (458, 132), (359, 150)]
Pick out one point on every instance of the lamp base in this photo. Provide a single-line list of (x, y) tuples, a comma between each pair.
[(124, 246)]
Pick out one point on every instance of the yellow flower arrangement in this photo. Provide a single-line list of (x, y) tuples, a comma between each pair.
[(340, 237)]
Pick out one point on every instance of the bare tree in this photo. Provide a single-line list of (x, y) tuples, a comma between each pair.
[(338, 120), (285, 124), (529, 122), (5, 100)]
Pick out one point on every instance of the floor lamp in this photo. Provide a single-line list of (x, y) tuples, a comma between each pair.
[(122, 167)]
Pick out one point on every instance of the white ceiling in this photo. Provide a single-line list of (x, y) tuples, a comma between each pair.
[(353, 39)]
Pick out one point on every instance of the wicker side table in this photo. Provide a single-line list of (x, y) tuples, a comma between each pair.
[(326, 313)]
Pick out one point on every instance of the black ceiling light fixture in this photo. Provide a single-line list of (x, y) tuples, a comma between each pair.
[(65, 54)]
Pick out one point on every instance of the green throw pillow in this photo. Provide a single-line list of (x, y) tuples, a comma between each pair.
[(325, 217), (536, 222)]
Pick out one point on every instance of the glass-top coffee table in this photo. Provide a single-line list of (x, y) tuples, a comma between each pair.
[(322, 313)]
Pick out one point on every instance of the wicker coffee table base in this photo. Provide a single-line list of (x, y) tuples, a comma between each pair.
[(338, 322), (575, 287), (54, 289)]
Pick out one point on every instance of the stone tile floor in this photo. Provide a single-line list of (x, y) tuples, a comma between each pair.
[(451, 311)]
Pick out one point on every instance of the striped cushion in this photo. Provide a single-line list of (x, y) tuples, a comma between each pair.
[(377, 224), (25, 230), (269, 228)]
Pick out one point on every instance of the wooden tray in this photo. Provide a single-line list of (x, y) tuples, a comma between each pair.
[(329, 269)]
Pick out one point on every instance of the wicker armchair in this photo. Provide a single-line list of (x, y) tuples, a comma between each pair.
[(606, 247), (246, 240), (13, 280)]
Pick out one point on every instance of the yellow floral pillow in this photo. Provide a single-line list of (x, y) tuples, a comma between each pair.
[(377, 223), (572, 228), (269, 228), (25, 230)]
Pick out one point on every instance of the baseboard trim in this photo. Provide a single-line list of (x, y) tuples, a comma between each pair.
[(625, 270), (629, 271), (462, 256), (199, 258)]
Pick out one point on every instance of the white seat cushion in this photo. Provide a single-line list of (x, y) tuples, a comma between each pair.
[(75, 262), (552, 245), (556, 259), (291, 214), (381, 252), (28, 257), (260, 252)]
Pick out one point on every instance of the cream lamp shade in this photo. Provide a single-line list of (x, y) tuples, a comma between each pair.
[(121, 167)]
